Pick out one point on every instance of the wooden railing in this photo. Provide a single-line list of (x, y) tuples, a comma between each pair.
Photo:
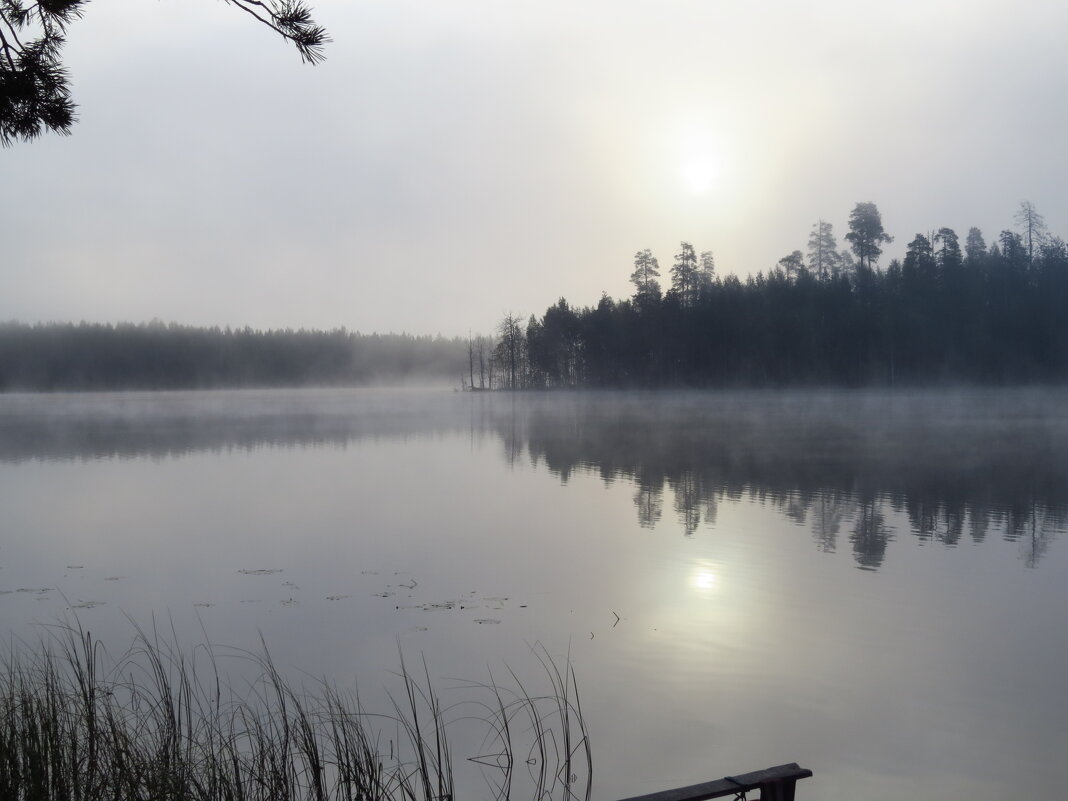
[(774, 784)]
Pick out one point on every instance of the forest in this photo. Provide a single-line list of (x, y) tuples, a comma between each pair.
[(948, 312), (90, 356)]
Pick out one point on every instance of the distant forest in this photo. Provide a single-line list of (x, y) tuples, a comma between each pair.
[(948, 312), (89, 356)]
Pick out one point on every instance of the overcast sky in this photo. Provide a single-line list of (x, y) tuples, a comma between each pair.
[(453, 160)]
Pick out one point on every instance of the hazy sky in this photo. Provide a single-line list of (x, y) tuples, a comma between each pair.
[(453, 160)]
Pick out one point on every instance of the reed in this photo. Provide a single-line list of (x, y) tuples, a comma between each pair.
[(160, 722)]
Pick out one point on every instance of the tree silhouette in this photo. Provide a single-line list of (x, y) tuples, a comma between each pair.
[(685, 278), (34, 85), (1032, 228), (511, 349), (975, 247), (823, 257), (919, 259), (792, 264), (866, 233), (645, 275), (948, 254), (706, 273)]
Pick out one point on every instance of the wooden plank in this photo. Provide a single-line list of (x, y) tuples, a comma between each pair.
[(730, 785)]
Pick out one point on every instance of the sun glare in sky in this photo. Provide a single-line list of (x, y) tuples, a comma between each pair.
[(699, 156), (701, 174)]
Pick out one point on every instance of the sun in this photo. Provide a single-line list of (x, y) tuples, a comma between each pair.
[(698, 157), (701, 174)]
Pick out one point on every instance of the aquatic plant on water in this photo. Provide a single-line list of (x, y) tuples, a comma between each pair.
[(163, 723)]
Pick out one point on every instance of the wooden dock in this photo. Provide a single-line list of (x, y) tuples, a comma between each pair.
[(774, 784)]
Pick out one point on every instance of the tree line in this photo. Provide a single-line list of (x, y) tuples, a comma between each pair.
[(89, 356), (947, 312)]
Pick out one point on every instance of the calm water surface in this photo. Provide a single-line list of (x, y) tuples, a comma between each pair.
[(871, 585)]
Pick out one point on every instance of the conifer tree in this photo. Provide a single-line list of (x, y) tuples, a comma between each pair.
[(706, 273), (919, 258), (645, 275), (974, 247), (948, 253), (1032, 228), (866, 234), (34, 85), (845, 266), (823, 259), (684, 275), (792, 263)]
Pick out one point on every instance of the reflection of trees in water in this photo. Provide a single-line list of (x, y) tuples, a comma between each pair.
[(159, 425), (828, 511), (933, 519), (825, 512), (650, 503), (943, 481), (1034, 529), (695, 501), (943, 467), (870, 534)]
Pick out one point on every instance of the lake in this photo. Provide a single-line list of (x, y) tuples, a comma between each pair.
[(869, 584)]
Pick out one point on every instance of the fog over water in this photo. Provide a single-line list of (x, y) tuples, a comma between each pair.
[(870, 584)]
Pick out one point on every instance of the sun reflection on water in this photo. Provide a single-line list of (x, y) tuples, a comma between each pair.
[(705, 577)]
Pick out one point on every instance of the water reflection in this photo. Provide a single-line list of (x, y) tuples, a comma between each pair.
[(941, 466), (857, 469), (468, 526), (158, 425), (705, 577)]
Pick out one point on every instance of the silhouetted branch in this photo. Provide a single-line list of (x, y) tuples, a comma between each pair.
[(34, 85), (292, 20)]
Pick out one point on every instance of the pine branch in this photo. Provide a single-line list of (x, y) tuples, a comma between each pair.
[(292, 20), (34, 85)]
